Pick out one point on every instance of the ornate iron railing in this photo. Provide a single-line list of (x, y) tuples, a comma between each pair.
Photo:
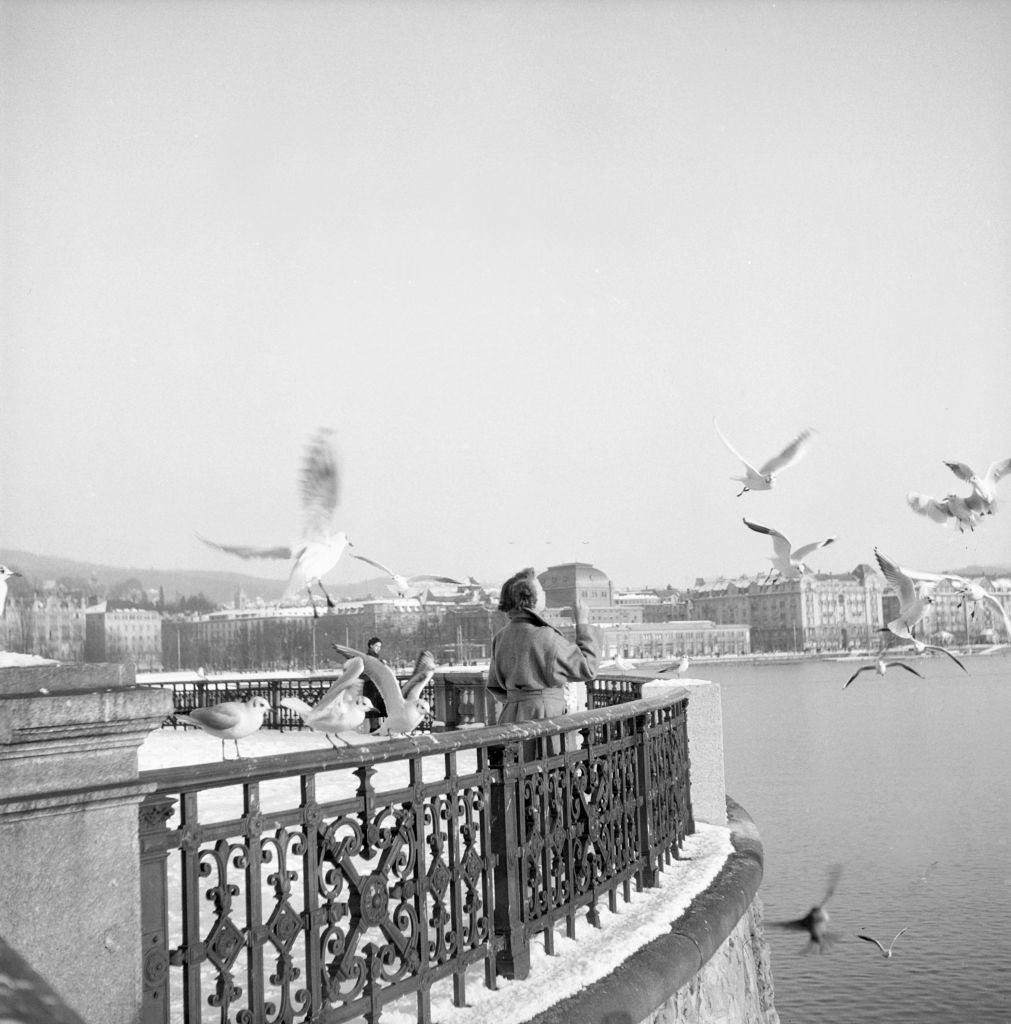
[(325, 886)]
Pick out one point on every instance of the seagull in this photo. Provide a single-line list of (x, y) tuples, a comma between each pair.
[(620, 663), (984, 488), (967, 589), (787, 562), (879, 666), (763, 478), (965, 511), (5, 575), (232, 720), (321, 546), (340, 709), (912, 607), (678, 668), (405, 708), (884, 952), (406, 586), (815, 922)]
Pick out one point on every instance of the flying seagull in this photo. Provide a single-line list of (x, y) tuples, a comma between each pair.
[(815, 922), (965, 511), (787, 562), (340, 709), (967, 589), (407, 585), (763, 478), (321, 545), (884, 952), (5, 575), (983, 487), (405, 708), (912, 606), (880, 666), (229, 721)]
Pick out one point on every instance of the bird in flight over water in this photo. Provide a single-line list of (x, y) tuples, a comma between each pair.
[(321, 545), (786, 561), (763, 478), (983, 487), (405, 586), (880, 666), (815, 921), (884, 952)]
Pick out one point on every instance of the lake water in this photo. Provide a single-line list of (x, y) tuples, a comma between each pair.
[(906, 783)]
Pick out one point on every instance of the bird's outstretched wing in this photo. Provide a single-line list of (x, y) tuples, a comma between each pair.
[(353, 669), (870, 938), (863, 668), (944, 650), (834, 874), (385, 679), (426, 578), (925, 505), (779, 543), (1001, 610), (376, 565), (424, 669), (801, 553), (733, 451), (898, 580), (998, 469), (790, 454), (902, 664), (248, 551), (320, 486), (961, 470)]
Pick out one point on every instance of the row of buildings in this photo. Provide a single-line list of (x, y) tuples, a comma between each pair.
[(823, 612)]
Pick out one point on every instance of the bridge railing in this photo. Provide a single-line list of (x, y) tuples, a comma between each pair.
[(327, 885)]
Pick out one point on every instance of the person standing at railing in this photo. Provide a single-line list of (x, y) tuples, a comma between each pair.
[(531, 661), (371, 691)]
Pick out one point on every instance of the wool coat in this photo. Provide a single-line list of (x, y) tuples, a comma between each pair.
[(531, 662)]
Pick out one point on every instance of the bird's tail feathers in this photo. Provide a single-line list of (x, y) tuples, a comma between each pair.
[(295, 704)]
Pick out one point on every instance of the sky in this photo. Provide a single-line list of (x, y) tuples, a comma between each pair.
[(518, 257)]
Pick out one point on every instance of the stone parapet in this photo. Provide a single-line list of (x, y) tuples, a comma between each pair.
[(69, 799)]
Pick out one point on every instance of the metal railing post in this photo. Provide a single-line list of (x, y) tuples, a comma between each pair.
[(513, 959), (155, 812)]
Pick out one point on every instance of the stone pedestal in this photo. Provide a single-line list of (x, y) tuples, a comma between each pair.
[(69, 797)]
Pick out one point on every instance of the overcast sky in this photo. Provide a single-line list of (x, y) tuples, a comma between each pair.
[(518, 256)]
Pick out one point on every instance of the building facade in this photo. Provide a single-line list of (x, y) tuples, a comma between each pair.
[(123, 633)]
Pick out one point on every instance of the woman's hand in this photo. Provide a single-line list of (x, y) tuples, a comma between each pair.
[(582, 612)]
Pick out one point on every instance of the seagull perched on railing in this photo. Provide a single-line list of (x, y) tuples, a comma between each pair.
[(321, 546), (787, 562), (881, 666), (405, 708), (407, 586), (231, 720), (887, 953), (763, 478), (815, 922), (983, 487), (678, 667), (339, 709)]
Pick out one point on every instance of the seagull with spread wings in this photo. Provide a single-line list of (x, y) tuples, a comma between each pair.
[(407, 586), (880, 666), (913, 604), (886, 953), (984, 487), (405, 707), (340, 709), (815, 922), (321, 545), (964, 511), (233, 720), (787, 562), (763, 478)]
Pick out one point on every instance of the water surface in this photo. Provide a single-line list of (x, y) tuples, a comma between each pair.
[(907, 783)]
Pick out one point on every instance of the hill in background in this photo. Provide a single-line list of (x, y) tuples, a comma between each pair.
[(219, 587)]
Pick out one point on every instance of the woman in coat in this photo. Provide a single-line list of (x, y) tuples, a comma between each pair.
[(532, 661)]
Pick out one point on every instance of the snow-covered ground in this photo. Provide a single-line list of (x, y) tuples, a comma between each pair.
[(576, 963)]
